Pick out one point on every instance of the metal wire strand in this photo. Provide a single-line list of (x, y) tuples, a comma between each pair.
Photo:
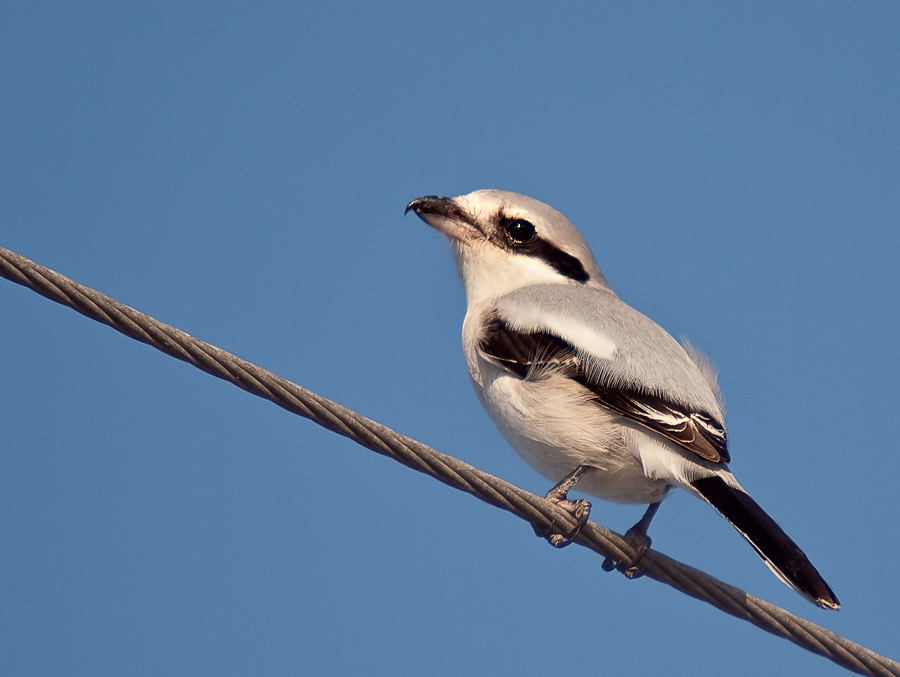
[(451, 471)]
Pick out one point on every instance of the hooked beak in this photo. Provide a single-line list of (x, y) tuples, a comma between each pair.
[(446, 215)]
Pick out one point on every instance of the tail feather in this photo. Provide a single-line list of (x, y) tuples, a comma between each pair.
[(776, 548)]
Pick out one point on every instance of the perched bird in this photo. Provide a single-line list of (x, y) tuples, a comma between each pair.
[(587, 389)]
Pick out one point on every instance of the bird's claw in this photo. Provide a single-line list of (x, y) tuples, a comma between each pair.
[(640, 541), (580, 509)]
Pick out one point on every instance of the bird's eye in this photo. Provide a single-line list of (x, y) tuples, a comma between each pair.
[(521, 231)]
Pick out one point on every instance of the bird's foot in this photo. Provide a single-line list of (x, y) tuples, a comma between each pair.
[(640, 541), (579, 509)]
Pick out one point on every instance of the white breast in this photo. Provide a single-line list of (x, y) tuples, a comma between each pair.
[(555, 426)]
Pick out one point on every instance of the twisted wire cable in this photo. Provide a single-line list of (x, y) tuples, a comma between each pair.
[(543, 515)]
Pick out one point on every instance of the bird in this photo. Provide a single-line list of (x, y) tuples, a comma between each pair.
[(585, 388)]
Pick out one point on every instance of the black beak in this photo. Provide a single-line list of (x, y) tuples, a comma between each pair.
[(445, 215), (433, 204)]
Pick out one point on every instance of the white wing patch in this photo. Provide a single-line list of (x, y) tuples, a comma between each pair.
[(589, 340), (521, 317)]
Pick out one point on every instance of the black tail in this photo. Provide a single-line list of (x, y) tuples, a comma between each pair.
[(776, 548)]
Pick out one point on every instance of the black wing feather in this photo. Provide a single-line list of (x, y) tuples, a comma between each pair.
[(522, 352)]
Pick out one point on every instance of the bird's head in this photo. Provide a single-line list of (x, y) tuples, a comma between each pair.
[(503, 241)]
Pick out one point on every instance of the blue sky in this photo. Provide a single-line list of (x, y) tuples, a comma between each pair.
[(240, 171)]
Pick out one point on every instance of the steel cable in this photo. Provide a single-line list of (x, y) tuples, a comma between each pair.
[(542, 514)]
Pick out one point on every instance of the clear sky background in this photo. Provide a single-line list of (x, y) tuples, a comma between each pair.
[(240, 171)]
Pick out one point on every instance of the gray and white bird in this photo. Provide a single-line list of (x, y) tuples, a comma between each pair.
[(585, 388)]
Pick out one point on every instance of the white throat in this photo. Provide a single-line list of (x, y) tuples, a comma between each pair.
[(489, 272)]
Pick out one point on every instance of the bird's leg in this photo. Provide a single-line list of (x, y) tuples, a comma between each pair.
[(638, 538), (580, 509)]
